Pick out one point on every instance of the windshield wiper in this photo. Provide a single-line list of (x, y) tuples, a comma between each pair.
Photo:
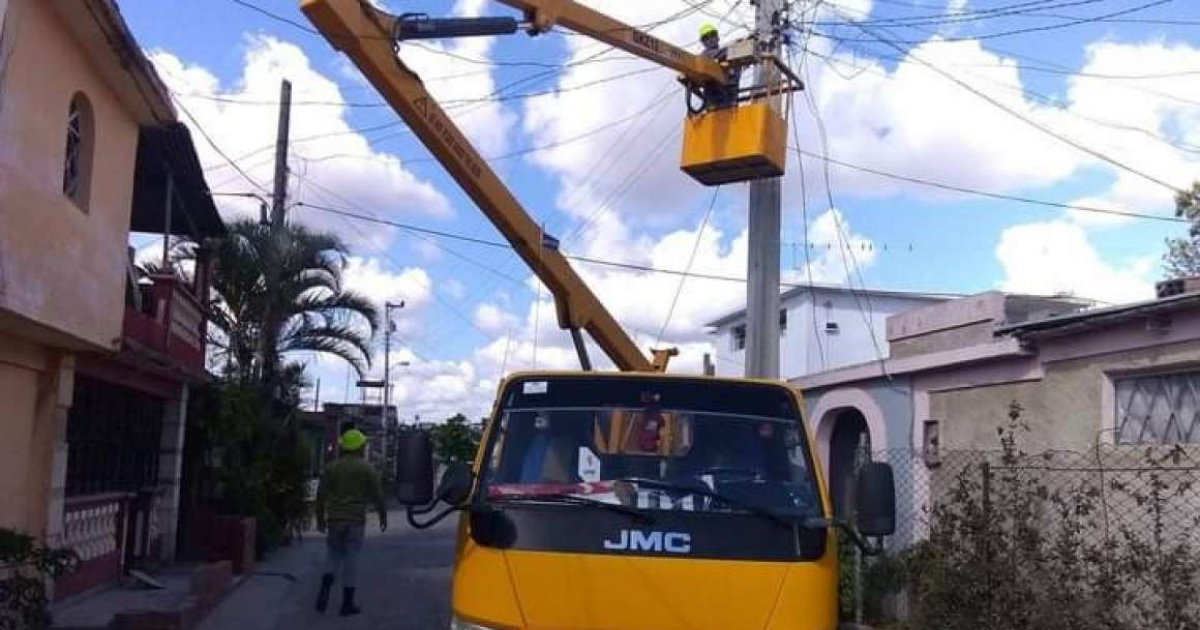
[(572, 499), (701, 489)]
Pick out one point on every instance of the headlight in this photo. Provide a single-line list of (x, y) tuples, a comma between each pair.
[(462, 624)]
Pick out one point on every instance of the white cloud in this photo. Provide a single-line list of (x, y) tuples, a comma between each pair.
[(494, 320), (369, 277), (914, 121), (844, 255), (1130, 113), (246, 133), (1056, 257), (906, 119), (640, 300), (412, 285)]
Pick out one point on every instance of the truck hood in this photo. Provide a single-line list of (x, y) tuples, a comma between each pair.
[(511, 590), (598, 592)]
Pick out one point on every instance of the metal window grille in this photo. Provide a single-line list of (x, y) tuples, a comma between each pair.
[(1158, 409), (71, 169), (113, 434)]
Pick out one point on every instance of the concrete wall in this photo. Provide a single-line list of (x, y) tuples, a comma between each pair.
[(21, 368), (35, 385), (805, 348), (1067, 409), (60, 265)]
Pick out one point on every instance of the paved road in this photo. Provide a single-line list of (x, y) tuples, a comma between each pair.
[(404, 584)]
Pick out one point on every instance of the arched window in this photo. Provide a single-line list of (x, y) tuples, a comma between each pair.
[(81, 141)]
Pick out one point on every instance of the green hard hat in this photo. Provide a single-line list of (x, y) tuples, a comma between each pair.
[(707, 29), (352, 440)]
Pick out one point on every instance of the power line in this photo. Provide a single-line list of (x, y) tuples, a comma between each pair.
[(845, 251), (687, 270), (493, 98), (445, 303), (993, 195), (501, 245), (1022, 91), (1033, 64), (416, 44), (808, 264), (960, 17), (1019, 31), (212, 143), (520, 152), (1015, 114)]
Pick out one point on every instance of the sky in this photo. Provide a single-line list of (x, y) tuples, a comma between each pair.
[(953, 146)]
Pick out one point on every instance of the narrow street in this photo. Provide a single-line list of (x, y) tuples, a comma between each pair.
[(404, 584)]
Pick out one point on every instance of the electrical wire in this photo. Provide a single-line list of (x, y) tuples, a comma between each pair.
[(1044, 99), (615, 264), (808, 263), (983, 193), (1036, 65), (1022, 31), (845, 252), (1019, 116), (505, 156), (212, 143), (397, 265), (964, 16), (687, 270)]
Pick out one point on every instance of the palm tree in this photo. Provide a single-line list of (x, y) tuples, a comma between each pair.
[(317, 314)]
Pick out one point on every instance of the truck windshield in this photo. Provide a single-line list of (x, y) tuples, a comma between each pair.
[(652, 458)]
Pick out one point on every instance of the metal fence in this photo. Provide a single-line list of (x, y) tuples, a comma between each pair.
[(1149, 489), (1118, 517)]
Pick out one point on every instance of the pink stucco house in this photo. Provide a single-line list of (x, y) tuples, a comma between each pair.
[(95, 362)]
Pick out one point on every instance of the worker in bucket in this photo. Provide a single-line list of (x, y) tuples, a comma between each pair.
[(716, 95), (348, 487)]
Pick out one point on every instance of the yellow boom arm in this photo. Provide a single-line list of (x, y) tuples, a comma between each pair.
[(543, 14), (365, 35)]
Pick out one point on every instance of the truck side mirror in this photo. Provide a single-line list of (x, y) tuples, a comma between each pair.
[(456, 484), (414, 468), (875, 509)]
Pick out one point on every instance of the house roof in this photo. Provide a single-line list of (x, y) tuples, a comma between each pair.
[(164, 152), (1007, 344), (1072, 323), (794, 290), (164, 144), (99, 28)]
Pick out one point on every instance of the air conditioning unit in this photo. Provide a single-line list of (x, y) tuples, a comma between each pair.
[(1178, 286)]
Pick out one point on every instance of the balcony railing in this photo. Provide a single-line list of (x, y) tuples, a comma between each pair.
[(170, 322)]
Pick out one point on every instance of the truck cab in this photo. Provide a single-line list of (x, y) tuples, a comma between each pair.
[(641, 502)]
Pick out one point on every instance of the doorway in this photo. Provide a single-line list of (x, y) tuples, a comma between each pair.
[(849, 430)]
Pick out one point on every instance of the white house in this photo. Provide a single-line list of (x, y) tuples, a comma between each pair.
[(821, 327)]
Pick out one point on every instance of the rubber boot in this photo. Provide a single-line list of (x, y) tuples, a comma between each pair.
[(348, 607), (323, 594)]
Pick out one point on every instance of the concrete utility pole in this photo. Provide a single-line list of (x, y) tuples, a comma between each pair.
[(762, 290), (271, 314), (387, 358), (279, 198)]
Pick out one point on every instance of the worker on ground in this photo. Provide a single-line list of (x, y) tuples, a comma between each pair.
[(348, 487), (717, 95)]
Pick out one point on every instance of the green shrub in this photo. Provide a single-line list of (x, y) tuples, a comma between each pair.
[(1010, 550), (25, 567)]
